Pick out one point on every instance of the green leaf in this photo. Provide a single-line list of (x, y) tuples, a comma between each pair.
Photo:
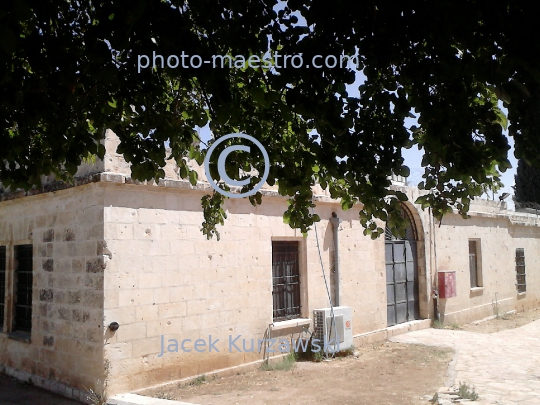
[(287, 217), (193, 177)]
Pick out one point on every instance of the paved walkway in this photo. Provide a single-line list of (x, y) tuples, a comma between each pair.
[(504, 367), (14, 392)]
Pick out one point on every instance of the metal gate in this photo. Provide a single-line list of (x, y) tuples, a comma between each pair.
[(401, 279)]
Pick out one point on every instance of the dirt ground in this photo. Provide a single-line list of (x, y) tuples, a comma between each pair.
[(386, 374), (503, 322)]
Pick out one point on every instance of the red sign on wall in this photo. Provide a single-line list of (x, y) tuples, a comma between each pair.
[(447, 284)]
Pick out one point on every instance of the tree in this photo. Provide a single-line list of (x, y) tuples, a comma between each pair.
[(527, 184), (69, 69)]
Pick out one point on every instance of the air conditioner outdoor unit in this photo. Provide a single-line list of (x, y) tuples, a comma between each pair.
[(334, 335)]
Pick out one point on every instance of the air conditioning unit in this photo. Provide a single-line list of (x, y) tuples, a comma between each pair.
[(333, 334)]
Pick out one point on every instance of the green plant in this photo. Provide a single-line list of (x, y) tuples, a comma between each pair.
[(527, 183), (310, 355), (284, 365), (436, 324), (89, 159), (318, 356), (70, 107), (467, 392), (455, 326), (504, 316), (198, 381), (164, 395), (98, 395)]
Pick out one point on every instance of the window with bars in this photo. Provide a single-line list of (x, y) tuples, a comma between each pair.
[(285, 280), (474, 263), (23, 288), (2, 285), (520, 270)]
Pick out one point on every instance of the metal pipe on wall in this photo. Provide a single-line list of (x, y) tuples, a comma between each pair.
[(335, 221)]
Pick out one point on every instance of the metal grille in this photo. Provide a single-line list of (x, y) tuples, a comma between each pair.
[(318, 325), (285, 280), (520, 270), (2, 285), (23, 288), (473, 263)]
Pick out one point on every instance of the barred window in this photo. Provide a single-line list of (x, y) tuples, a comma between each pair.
[(2, 285), (285, 280), (23, 288), (520, 270)]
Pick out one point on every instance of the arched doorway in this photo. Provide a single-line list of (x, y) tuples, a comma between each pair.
[(403, 303)]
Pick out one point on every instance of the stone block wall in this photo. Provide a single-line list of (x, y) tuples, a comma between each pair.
[(66, 341), (166, 279), (116, 251), (497, 237)]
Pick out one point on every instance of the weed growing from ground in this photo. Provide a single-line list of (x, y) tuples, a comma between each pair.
[(198, 381), (466, 392), (506, 316), (436, 324), (285, 365), (164, 395), (98, 396), (317, 356)]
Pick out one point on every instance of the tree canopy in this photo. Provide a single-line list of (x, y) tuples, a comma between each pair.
[(527, 186), (69, 69)]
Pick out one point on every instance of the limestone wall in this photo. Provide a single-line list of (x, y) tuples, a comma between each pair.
[(115, 251), (166, 278), (498, 235), (65, 348)]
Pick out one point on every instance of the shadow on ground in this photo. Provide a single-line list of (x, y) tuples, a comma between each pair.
[(15, 392)]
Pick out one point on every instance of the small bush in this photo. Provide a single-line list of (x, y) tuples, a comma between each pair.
[(98, 396), (164, 395), (285, 365), (310, 355), (436, 324), (466, 392), (506, 316), (198, 381), (317, 356)]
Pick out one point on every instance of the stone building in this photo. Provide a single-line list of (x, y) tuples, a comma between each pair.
[(76, 259)]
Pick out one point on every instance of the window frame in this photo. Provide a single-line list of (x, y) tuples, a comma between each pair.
[(301, 291), (520, 264), (3, 286), (22, 288), (475, 264), (12, 274)]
